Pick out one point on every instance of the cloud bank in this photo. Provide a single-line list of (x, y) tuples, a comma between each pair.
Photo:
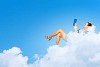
[(81, 50), (13, 58)]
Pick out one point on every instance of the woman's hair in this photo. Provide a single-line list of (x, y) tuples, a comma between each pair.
[(89, 24)]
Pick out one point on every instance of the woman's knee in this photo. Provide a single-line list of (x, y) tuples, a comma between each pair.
[(60, 35), (61, 31)]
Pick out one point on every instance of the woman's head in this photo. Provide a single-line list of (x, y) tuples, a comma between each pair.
[(88, 24)]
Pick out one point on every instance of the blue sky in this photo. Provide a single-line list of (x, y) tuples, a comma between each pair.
[(24, 23)]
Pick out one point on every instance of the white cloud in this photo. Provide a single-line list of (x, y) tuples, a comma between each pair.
[(80, 51), (13, 58), (96, 58)]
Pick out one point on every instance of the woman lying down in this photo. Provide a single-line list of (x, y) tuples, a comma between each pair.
[(61, 34)]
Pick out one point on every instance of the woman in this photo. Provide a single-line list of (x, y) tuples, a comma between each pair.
[(61, 34)]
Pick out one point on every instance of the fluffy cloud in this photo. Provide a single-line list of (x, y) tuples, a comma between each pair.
[(13, 58), (81, 50)]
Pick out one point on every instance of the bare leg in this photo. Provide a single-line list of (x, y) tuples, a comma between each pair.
[(58, 38), (59, 33)]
